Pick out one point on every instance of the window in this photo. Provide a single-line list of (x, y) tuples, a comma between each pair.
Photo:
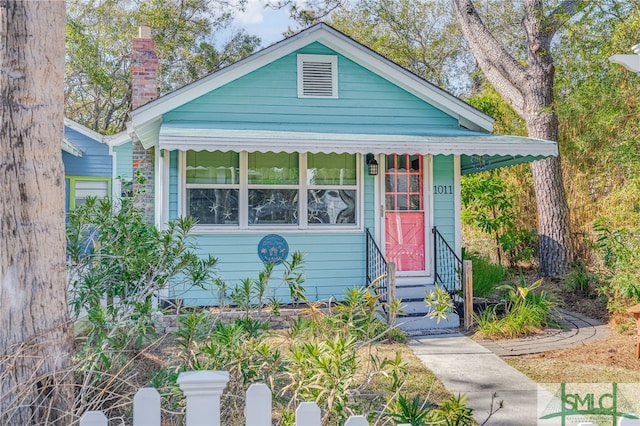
[(81, 188), (317, 76), (212, 187), (273, 188), (288, 190), (331, 180)]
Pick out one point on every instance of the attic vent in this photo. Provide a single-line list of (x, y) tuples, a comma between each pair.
[(317, 76)]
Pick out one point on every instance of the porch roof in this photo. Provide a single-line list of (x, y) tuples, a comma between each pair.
[(479, 151)]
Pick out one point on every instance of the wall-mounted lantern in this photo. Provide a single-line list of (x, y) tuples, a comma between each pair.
[(372, 165)]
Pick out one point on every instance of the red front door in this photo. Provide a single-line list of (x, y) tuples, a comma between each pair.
[(404, 212)]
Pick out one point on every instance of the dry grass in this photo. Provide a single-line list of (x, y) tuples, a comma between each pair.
[(605, 361)]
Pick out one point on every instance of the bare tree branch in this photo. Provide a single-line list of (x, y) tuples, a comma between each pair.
[(500, 68)]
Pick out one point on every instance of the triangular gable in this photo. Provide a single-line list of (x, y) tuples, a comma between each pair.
[(146, 120), (68, 144)]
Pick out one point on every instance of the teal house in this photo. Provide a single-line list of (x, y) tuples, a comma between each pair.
[(88, 165), (319, 145)]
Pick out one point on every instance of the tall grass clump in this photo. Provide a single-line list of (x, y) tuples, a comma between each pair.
[(486, 274), (525, 310)]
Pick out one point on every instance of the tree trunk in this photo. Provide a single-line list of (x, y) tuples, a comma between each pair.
[(528, 89), (35, 334), (553, 210)]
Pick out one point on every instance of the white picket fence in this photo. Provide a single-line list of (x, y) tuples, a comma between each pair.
[(202, 390)]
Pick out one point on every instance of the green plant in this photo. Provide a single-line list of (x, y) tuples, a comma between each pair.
[(489, 206), (580, 279), (194, 328), (114, 256), (620, 250), (411, 411), (439, 303), (486, 275), (453, 412), (527, 309), (324, 371), (117, 263)]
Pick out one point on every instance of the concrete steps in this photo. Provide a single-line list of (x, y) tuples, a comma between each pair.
[(415, 310)]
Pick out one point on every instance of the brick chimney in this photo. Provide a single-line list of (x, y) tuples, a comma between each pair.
[(144, 66)]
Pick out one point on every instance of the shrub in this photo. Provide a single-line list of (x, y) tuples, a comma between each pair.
[(620, 249), (117, 263)]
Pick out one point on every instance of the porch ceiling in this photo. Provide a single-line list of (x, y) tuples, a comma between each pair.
[(181, 136)]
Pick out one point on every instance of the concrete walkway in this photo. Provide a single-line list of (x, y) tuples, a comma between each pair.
[(470, 368)]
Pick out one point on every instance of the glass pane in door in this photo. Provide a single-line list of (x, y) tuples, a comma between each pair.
[(404, 212)]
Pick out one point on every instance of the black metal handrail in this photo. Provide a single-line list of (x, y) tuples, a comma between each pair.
[(377, 269), (447, 266)]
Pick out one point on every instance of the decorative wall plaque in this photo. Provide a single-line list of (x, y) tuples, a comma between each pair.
[(273, 248)]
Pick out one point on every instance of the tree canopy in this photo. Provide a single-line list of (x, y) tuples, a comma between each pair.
[(98, 46)]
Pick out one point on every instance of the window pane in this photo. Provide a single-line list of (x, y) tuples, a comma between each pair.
[(402, 203), (331, 169), (415, 183), (402, 183), (90, 188), (390, 202), (390, 159), (332, 207), (402, 162), (416, 202), (273, 206), (415, 161), (273, 168), (213, 206), (212, 167)]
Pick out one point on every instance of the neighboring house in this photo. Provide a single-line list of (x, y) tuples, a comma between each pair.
[(88, 167), (310, 143)]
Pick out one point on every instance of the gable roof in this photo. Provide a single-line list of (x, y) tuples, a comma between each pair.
[(145, 119), (472, 140), (68, 146)]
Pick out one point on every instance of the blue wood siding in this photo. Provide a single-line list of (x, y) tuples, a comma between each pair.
[(124, 160), (268, 99), (332, 263), (443, 197), (95, 160)]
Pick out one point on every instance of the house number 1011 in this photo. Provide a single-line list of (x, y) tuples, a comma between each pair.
[(443, 189)]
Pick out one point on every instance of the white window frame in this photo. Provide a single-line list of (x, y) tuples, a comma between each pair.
[(243, 197)]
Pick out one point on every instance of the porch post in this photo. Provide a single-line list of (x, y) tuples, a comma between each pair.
[(391, 291), (467, 273)]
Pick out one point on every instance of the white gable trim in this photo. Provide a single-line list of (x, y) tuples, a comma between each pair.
[(469, 116), (83, 130), (117, 139)]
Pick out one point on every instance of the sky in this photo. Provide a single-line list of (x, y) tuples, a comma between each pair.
[(266, 23)]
